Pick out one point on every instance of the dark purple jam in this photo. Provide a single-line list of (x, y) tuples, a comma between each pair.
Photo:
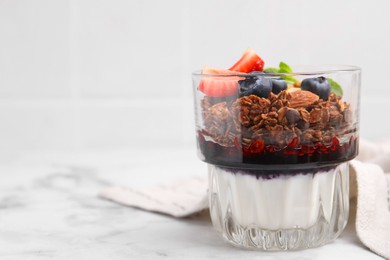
[(268, 157), (268, 174)]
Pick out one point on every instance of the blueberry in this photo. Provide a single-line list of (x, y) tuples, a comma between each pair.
[(245, 86), (278, 85), (256, 73), (319, 86), (262, 87), (258, 86)]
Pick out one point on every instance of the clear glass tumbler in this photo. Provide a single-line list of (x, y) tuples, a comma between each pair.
[(278, 163)]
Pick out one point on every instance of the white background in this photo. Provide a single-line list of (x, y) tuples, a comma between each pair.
[(107, 75)]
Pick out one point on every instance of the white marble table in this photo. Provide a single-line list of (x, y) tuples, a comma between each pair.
[(49, 209)]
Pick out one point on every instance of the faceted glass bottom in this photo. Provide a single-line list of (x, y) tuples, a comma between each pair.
[(279, 211)]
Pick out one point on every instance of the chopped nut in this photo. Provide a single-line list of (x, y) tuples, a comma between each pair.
[(282, 114), (325, 116), (335, 116), (305, 115), (291, 88), (297, 84), (315, 115), (340, 105), (301, 98)]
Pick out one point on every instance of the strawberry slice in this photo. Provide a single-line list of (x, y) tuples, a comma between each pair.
[(249, 61), (210, 70), (220, 86)]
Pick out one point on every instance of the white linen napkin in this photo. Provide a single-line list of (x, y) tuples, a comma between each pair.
[(371, 175), (181, 199), (370, 187)]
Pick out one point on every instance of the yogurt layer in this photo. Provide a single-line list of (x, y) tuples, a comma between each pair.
[(280, 202)]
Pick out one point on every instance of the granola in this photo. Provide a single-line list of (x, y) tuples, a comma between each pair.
[(276, 120)]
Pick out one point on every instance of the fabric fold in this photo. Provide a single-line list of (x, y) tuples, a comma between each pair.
[(372, 213)]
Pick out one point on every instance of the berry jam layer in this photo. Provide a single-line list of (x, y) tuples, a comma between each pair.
[(294, 155)]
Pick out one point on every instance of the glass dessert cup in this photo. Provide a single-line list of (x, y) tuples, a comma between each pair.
[(278, 163)]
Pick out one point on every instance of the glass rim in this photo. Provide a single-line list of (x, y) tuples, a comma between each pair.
[(311, 70)]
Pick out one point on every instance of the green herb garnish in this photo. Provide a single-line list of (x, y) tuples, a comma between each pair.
[(283, 68), (335, 87), (271, 70), (289, 79)]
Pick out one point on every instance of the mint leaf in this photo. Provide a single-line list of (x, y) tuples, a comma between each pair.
[(335, 87), (271, 70), (289, 79), (284, 68)]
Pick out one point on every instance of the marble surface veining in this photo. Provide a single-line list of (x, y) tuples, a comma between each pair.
[(49, 209)]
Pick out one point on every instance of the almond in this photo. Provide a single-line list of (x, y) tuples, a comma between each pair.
[(291, 88), (301, 98)]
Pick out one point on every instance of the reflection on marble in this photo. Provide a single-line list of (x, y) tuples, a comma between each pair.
[(49, 209)]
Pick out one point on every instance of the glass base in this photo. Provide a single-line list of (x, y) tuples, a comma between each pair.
[(273, 211)]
